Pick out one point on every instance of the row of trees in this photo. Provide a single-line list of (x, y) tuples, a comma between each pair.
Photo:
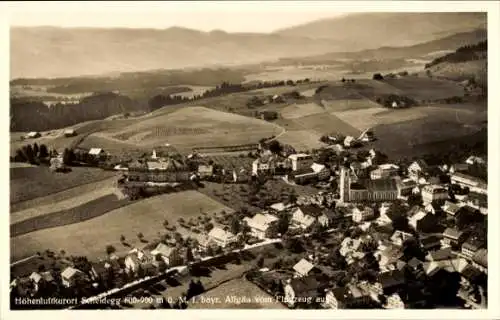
[(33, 154), (462, 54)]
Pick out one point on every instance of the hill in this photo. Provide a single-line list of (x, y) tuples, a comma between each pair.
[(468, 62), (63, 52), (420, 50), (373, 30)]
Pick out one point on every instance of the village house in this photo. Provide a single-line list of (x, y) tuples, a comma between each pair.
[(432, 193), (348, 141), (303, 290), (430, 242), (477, 201), (300, 161), (433, 208), (384, 171), (414, 263), (134, 260), (458, 167), (221, 237), (466, 181), (452, 237), (430, 268), (100, 270), (69, 133), (388, 257), (470, 276), (205, 171), (349, 249), (169, 254), (422, 221), (363, 214), (471, 247), (280, 206), (480, 260), (259, 224), (450, 208), (394, 301), (384, 219), (302, 268), (475, 160), (348, 297), (417, 169), (71, 277), (41, 278), (304, 216), (97, 153), (440, 254), (399, 237), (315, 173), (391, 281), (32, 135)]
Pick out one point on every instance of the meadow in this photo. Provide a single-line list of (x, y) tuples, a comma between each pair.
[(90, 238), (423, 89), (34, 182)]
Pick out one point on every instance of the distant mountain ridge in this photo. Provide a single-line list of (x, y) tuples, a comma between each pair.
[(65, 52)]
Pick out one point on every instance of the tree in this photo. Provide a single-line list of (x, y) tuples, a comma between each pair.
[(110, 249), (343, 79), (165, 224), (122, 238), (20, 156), (260, 261), (189, 255), (208, 227), (43, 151), (140, 236), (28, 152), (68, 156), (275, 147), (235, 225), (378, 76), (36, 149)]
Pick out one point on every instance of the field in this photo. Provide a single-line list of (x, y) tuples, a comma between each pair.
[(327, 123), (334, 106), (240, 289), (191, 127), (83, 212), (294, 73), (90, 237), (30, 183), (301, 110), (302, 139), (232, 161), (62, 200), (420, 88)]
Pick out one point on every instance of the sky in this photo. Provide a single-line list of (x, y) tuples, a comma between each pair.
[(205, 16)]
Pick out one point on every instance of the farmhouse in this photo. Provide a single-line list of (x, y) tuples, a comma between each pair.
[(221, 237), (302, 290), (71, 277), (259, 224), (399, 237), (96, 152), (32, 135), (471, 247), (160, 171), (406, 187), (473, 183), (452, 237), (422, 221), (451, 208), (69, 133)]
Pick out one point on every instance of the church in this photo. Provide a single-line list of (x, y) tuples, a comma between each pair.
[(366, 190)]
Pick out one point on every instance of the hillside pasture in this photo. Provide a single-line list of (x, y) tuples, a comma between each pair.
[(295, 111), (90, 238), (302, 139), (192, 127), (424, 89), (327, 123), (30, 183), (334, 106)]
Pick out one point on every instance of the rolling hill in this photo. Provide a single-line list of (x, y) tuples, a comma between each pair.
[(373, 30), (64, 52)]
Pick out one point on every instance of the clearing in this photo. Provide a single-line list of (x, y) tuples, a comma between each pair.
[(90, 238)]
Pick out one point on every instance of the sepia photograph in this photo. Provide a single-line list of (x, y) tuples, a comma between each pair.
[(248, 155)]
